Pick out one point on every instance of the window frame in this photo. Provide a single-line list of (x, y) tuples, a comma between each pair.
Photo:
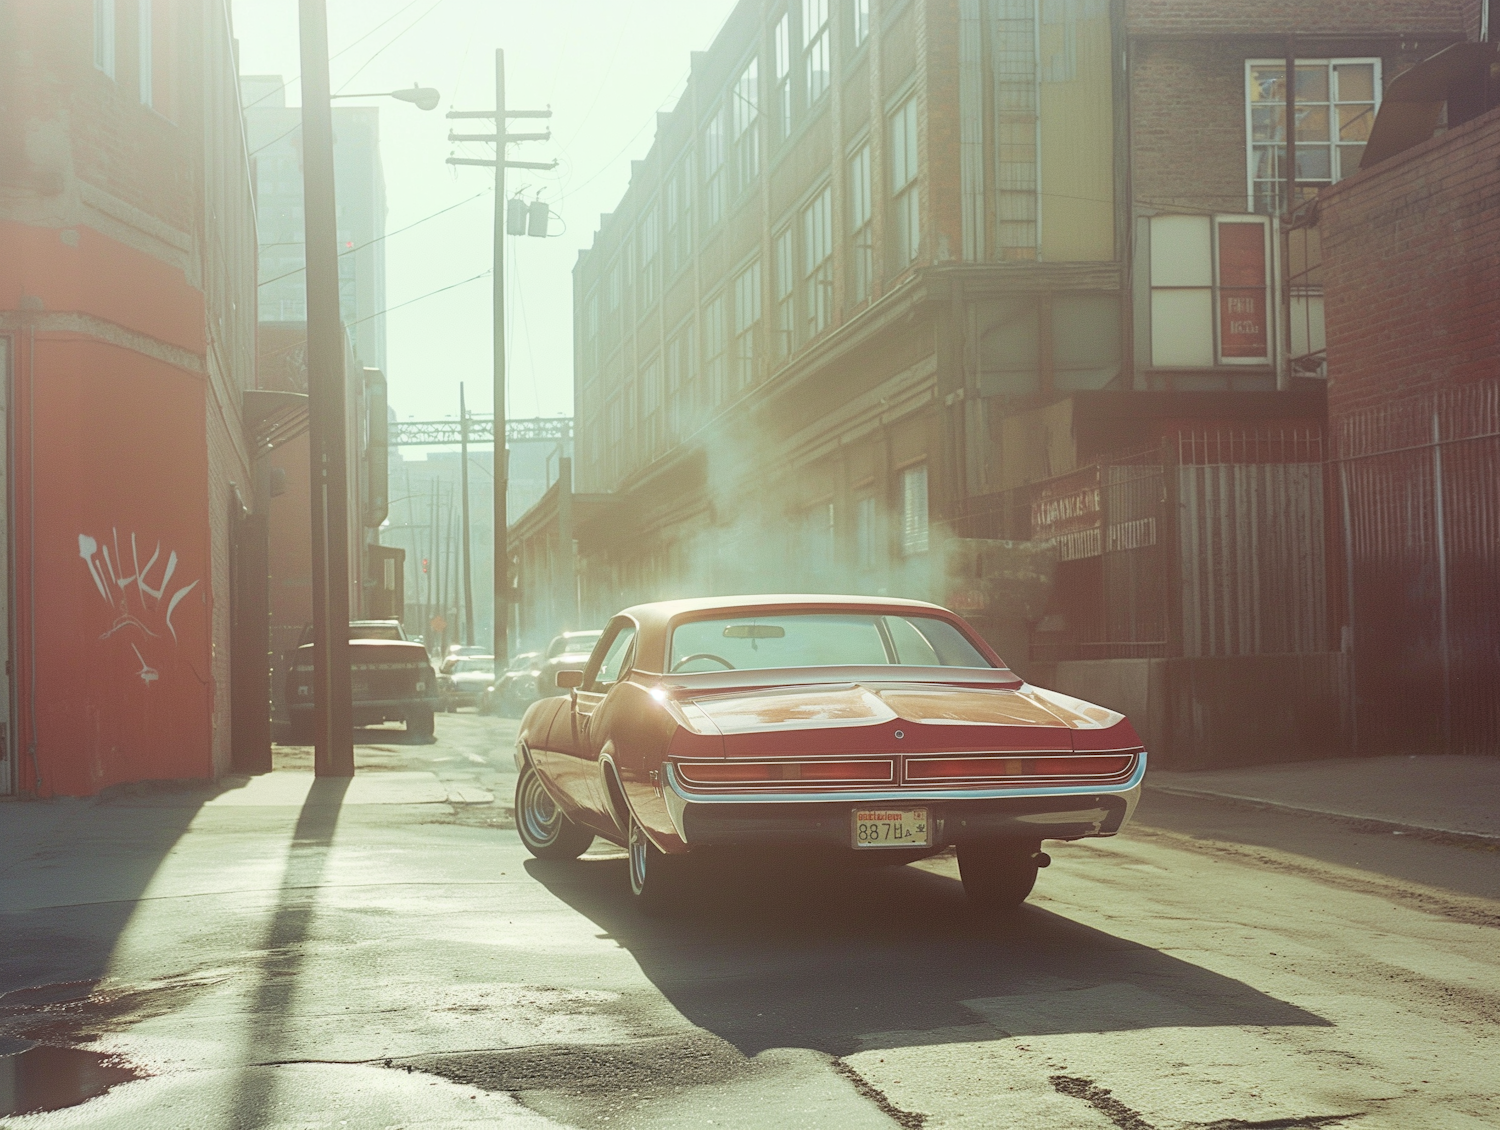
[(816, 223), (816, 43), (781, 49), (906, 195), (1333, 144), (916, 530), (715, 168), (744, 127), (784, 292), (106, 36), (861, 230), (746, 329)]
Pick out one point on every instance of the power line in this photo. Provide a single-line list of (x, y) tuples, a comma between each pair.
[(418, 298), (336, 54), (371, 243)]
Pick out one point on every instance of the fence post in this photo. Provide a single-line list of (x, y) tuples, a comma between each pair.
[(1171, 535), (1442, 564), (1349, 606)]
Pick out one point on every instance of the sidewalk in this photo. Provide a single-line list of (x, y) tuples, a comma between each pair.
[(1443, 796)]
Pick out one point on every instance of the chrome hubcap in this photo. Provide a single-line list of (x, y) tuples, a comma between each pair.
[(539, 815)]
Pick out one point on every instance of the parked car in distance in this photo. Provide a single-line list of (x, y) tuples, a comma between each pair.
[(567, 652), (871, 729), (515, 688), (467, 649), (390, 676), (463, 679)]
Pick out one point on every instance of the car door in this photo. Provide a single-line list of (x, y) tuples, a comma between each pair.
[(572, 743)]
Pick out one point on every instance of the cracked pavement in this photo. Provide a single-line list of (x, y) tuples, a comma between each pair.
[(279, 953)]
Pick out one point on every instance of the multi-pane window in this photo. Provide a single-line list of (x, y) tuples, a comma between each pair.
[(859, 22), (817, 262), (145, 41), (782, 97), (815, 49), (651, 406), (1336, 100), (715, 363), (861, 241), (615, 419), (866, 533), (677, 207), (746, 323), (612, 301), (905, 192), (590, 335), (914, 537), (104, 36), (1210, 296), (744, 132), (786, 287), (680, 366), (649, 234), (713, 168)]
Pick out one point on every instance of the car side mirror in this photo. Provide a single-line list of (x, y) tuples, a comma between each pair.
[(569, 680)]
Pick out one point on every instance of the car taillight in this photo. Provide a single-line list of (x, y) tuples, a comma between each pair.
[(777, 772), (995, 768)]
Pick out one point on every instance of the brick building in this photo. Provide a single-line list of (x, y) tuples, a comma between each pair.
[(1410, 257), (127, 330), (892, 272)]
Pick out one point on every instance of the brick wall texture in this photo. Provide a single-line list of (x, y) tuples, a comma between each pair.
[(1411, 255), (1339, 17)]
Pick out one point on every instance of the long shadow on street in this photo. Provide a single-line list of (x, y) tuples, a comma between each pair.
[(821, 957)]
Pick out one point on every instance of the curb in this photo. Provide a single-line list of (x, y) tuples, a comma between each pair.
[(1358, 823)]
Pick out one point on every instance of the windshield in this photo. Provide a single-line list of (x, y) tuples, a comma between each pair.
[(374, 631), (470, 666), (820, 639), (523, 662), (574, 644)]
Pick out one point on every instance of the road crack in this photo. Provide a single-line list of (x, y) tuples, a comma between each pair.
[(908, 1119), (1101, 1100)]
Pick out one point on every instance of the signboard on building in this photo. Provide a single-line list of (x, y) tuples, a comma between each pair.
[(1242, 291), (1067, 509)]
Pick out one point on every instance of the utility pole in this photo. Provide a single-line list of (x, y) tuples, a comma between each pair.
[(500, 139), (463, 476), (333, 717)]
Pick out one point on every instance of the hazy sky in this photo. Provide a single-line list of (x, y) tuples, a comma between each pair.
[(604, 66)]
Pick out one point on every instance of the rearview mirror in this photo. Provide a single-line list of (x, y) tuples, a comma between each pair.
[(754, 632), (569, 680)]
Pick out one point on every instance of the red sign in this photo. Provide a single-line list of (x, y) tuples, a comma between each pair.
[(1242, 291)]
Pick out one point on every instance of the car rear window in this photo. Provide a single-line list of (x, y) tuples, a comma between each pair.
[(487, 666), (820, 639)]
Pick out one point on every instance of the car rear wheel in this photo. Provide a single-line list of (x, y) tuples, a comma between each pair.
[(655, 877), (998, 876), (544, 829), (419, 723)]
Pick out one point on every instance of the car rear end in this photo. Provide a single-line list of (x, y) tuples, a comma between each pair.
[(390, 681), (897, 766)]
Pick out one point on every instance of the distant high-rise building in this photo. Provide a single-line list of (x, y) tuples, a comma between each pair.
[(274, 131)]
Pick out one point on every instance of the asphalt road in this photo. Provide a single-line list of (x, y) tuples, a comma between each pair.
[(386, 954)]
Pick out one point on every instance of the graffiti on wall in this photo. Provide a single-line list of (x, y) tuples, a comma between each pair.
[(140, 605)]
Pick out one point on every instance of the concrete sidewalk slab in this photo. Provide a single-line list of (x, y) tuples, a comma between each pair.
[(1438, 794), (295, 790)]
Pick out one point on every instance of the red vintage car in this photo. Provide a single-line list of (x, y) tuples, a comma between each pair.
[(886, 729)]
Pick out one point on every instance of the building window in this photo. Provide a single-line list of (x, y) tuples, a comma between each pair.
[(1210, 296), (818, 532), (783, 92), (651, 407), (612, 302), (859, 22), (714, 363), (746, 324), (650, 239), (786, 288), (861, 239), (866, 533), (145, 39), (1336, 104), (104, 36), (817, 261), (744, 130), (905, 194), (677, 205), (914, 510), (713, 168), (590, 337), (815, 50), (679, 367)]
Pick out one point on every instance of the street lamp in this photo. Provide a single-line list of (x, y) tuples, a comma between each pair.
[(422, 97), (333, 713)]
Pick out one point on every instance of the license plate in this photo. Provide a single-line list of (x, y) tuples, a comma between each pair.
[(890, 827)]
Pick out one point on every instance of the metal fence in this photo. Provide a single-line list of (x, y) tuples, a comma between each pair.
[(1250, 544), (1419, 496)]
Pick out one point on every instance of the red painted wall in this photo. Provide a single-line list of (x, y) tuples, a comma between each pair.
[(119, 475)]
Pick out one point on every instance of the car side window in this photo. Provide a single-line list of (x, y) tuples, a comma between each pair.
[(616, 660)]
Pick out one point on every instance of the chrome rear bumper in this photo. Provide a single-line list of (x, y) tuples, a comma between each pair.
[(1063, 812)]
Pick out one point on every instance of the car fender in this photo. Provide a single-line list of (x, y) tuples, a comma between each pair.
[(637, 733)]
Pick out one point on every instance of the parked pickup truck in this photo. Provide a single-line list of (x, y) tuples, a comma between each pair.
[(392, 681)]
